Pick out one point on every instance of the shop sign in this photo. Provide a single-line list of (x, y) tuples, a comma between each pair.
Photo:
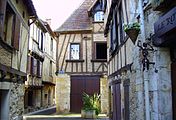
[(166, 23)]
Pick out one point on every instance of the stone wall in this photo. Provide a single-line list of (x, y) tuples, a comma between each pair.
[(104, 94), (5, 58), (63, 93), (48, 96), (16, 101)]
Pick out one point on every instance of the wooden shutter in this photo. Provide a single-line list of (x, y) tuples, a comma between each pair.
[(34, 66), (2, 16), (16, 33), (29, 65), (39, 68), (41, 41)]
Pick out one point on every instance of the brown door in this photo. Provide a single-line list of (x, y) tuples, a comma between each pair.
[(116, 102), (173, 67), (80, 84)]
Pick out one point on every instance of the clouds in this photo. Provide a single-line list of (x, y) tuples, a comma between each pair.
[(57, 10)]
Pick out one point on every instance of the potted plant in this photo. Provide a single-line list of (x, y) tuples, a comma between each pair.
[(91, 106), (132, 30)]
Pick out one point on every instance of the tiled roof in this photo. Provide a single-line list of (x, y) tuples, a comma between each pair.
[(79, 19)]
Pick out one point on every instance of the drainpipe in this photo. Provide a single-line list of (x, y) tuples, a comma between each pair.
[(146, 72)]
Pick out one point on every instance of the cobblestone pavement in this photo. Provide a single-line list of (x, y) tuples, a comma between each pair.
[(58, 117)]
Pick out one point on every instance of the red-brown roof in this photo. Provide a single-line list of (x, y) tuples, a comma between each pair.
[(79, 19)]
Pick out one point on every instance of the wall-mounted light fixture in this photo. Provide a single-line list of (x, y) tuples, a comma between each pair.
[(145, 47)]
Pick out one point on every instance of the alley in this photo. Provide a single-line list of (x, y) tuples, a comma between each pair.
[(116, 57), (61, 117)]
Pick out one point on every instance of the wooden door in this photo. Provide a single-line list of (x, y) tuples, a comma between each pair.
[(80, 84), (116, 102), (173, 68)]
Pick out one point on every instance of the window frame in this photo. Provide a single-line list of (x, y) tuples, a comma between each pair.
[(100, 16), (41, 41), (95, 50), (71, 51), (51, 69), (12, 18), (51, 44), (117, 25)]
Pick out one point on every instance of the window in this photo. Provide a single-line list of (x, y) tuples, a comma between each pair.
[(11, 32), (39, 68), (117, 32), (74, 51), (99, 16), (101, 51), (30, 98), (29, 65), (51, 44), (34, 66), (114, 32), (120, 24), (50, 69), (41, 41)]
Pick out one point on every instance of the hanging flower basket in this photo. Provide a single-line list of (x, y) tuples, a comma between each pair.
[(133, 34), (132, 30)]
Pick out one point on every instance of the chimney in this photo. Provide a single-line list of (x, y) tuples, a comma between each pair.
[(48, 21)]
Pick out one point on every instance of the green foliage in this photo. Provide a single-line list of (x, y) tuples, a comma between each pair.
[(91, 102), (134, 25)]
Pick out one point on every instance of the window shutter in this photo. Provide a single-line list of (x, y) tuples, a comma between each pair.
[(16, 33), (41, 42), (2, 16), (29, 65), (34, 66), (39, 68)]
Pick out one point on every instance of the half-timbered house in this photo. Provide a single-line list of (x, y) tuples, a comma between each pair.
[(14, 32), (40, 84), (81, 58), (141, 76)]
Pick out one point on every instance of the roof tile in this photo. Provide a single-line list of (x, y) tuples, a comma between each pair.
[(79, 19)]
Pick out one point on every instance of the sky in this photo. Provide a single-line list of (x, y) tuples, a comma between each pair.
[(56, 10)]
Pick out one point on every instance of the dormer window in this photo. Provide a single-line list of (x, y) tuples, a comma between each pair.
[(99, 16)]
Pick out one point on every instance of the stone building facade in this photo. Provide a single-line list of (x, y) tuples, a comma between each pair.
[(141, 73), (40, 84), (14, 32), (81, 58)]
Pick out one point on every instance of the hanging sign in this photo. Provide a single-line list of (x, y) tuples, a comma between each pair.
[(166, 23)]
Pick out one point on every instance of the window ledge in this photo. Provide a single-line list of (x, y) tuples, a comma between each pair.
[(99, 60), (81, 60)]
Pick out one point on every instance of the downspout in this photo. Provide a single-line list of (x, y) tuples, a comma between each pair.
[(146, 72)]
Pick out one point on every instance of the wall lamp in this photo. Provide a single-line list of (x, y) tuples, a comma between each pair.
[(145, 47)]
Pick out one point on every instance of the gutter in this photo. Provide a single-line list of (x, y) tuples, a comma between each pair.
[(146, 72)]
